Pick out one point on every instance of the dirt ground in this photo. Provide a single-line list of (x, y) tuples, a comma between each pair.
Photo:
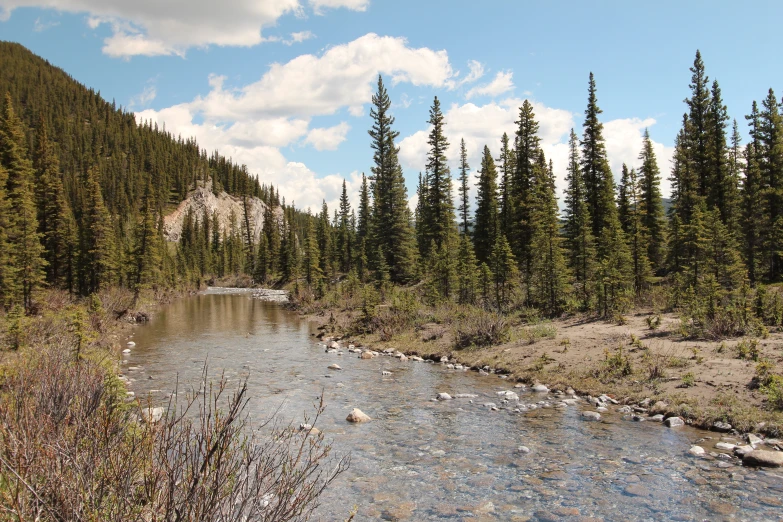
[(705, 381)]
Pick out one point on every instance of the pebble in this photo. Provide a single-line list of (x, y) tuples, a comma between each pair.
[(126, 350), (131, 344)]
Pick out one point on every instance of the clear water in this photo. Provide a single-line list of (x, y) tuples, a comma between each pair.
[(450, 460)]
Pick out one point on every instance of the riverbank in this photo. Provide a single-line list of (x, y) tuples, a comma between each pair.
[(645, 362)]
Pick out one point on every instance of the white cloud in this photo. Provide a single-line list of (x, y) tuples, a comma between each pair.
[(41, 26), (328, 138), (170, 27), (299, 37), (144, 98), (500, 85), (354, 5)]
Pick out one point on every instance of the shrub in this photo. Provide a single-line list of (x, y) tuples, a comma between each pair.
[(654, 321), (481, 329), (748, 349), (616, 364), (688, 380), (539, 331), (774, 391)]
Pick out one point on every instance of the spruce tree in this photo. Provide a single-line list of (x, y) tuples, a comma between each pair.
[(595, 166), (147, 246), (504, 272), (698, 116), (507, 167), (719, 190), (467, 272), (623, 200), (262, 261), (440, 222), (345, 233), (487, 218), (771, 162), (97, 260), (636, 233), (579, 240), (753, 201), (464, 188), (651, 204), (312, 255), (392, 233), (528, 151)]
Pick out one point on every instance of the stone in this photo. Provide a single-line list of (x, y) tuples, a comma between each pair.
[(334, 345), (601, 409), (721, 508), (152, 415), (465, 396), (591, 416), (674, 422), (444, 359), (403, 357), (741, 451), (722, 427), (771, 459), (365, 355), (660, 406), (444, 397), (489, 405), (126, 351), (570, 391), (386, 373), (358, 416), (334, 367), (637, 490), (131, 344), (657, 418), (696, 450), (754, 440), (625, 410), (540, 388), (509, 395), (523, 449), (725, 446)]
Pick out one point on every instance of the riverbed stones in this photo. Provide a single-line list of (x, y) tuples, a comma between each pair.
[(722, 427), (674, 422), (539, 388), (754, 440), (591, 416), (386, 373), (444, 397), (763, 458), (697, 450), (657, 418), (365, 355), (465, 396), (358, 416), (131, 344), (334, 367), (725, 446)]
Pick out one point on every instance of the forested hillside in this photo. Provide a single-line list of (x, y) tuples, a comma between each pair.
[(83, 189)]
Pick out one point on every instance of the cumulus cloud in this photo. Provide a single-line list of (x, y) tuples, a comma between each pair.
[(299, 37), (252, 123), (328, 138), (153, 28), (355, 5), (499, 85)]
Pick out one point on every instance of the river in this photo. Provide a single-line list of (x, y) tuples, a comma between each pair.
[(421, 459)]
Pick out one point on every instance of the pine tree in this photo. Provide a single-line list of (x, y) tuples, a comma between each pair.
[(733, 198), (391, 227), (146, 251), (651, 204), (770, 134), (548, 273), (312, 255), (753, 201), (464, 188), (7, 270), (528, 151), (440, 220), (262, 261), (25, 253), (719, 188), (487, 218), (698, 116), (325, 243), (595, 166), (579, 240), (507, 167), (97, 260), (467, 272), (623, 201), (345, 233), (504, 272), (637, 234)]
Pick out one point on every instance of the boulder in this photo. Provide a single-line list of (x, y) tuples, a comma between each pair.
[(357, 416), (741, 451), (722, 427), (696, 450), (754, 440), (770, 459), (591, 416), (444, 397), (334, 367), (540, 388), (365, 355), (673, 422)]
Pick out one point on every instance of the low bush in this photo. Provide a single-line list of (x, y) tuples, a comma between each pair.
[(481, 329)]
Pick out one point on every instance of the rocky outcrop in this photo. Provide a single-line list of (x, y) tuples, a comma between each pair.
[(202, 198)]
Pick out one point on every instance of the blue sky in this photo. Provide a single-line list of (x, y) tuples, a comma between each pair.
[(284, 85)]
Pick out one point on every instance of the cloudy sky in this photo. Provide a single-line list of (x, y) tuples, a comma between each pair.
[(284, 86)]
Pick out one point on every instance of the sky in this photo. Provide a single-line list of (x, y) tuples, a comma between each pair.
[(284, 86)]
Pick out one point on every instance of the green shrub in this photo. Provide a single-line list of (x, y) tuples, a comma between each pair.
[(688, 380), (481, 329), (616, 364), (774, 391)]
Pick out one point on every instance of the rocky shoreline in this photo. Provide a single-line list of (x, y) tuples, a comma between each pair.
[(749, 449)]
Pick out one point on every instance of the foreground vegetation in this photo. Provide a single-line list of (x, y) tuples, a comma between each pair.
[(74, 446)]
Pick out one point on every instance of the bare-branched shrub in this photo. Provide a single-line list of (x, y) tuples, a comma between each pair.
[(481, 329)]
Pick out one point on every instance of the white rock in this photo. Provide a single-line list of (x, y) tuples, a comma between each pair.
[(696, 450), (725, 446), (386, 373), (126, 350), (444, 397), (334, 345), (334, 367), (357, 416), (523, 449), (131, 344), (449, 366), (674, 422), (601, 409), (403, 357), (540, 388), (754, 440), (444, 359), (152, 415), (591, 415), (465, 396)]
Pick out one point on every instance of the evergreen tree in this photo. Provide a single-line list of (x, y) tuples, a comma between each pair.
[(325, 243), (733, 198), (147, 246), (97, 261), (719, 188), (507, 166), (25, 252), (262, 261), (504, 272), (595, 166), (579, 240), (467, 272), (770, 135), (528, 151), (698, 116), (636, 233), (651, 204), (345, 233), (464, 188), (487, 224), (391, 227), (753, 201), (439, 223), (312, 255), (623, 200)]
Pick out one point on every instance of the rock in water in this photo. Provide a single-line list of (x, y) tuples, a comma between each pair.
[(334, 367), (152, 415), (673, 422), (444, 397), (357, 416), (365, 355), (770, 459), (126, 350), (540, 388), (131, 344), (696, 450), (386, 373), (591, 415)]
